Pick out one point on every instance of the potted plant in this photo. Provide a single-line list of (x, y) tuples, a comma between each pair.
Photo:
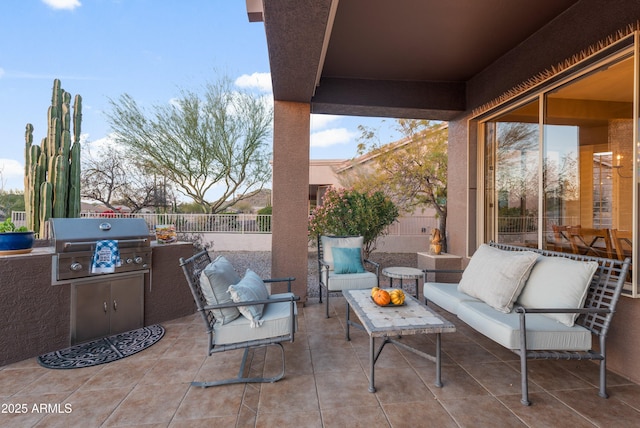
[(14, 240)]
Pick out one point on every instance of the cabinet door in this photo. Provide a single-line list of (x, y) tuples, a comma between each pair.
[(127, 304), (92, 311)]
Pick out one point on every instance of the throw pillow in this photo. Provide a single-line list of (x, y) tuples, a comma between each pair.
[(250, 289), (497, 276), (347, 260), (557, 282), (215, 280)]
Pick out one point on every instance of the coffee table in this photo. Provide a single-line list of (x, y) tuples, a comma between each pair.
[(390, 322), (403, 273)]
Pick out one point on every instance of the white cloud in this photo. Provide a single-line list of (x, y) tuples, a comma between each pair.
[(99, 145), (259, 81), (11, 174), (62, 4), (331, 137), (319, 121)]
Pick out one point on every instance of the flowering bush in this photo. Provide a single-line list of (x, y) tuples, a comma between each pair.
[(350, 212)]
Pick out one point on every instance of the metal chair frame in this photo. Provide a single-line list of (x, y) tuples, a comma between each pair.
[(324, 266), (192, 268)]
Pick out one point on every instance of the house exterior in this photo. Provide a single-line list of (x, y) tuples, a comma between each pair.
[(542, 98)]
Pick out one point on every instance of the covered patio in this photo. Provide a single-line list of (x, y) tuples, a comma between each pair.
[(325, 385)]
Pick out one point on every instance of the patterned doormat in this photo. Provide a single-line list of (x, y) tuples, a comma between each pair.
[(104, 350)]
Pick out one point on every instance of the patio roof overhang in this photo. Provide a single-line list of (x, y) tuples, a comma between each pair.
[(408, 58)]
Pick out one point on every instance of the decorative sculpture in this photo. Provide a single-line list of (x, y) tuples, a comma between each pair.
[(436, 242)]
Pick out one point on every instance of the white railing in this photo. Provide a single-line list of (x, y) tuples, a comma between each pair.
[(238, 223)]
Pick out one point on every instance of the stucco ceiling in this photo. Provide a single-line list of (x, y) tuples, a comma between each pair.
[(353, 56)]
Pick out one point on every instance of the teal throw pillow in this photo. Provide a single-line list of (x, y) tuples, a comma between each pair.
[(347, 260)]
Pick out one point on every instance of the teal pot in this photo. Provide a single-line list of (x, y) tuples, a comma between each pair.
[(16, 242)]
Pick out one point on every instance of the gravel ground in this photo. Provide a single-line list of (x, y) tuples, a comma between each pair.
[(260, 263)]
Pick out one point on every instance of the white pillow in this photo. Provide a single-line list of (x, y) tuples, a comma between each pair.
[(497, 276), (249, 289), (557, 282), (214, 283)]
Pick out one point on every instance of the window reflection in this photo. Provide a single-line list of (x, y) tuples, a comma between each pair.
[(586, 157)]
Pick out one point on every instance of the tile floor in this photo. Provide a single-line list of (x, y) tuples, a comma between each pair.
[(325, 386)]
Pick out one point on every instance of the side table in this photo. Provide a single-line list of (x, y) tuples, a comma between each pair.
[(401, 273)]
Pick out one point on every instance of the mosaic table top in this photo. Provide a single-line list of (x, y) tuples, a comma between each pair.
[(410, 318)]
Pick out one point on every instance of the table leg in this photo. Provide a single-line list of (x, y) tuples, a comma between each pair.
[(348, 337), (417, 288), (372, 362), (438, 362)]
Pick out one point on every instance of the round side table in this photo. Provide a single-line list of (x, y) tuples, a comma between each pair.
[(401, 273)]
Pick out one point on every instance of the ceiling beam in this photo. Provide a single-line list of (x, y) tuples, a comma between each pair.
[(417, 100)]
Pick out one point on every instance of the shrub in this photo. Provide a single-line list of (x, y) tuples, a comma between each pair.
[(350, 212)]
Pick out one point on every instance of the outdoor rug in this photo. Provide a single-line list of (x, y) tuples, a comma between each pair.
[(104, 350)]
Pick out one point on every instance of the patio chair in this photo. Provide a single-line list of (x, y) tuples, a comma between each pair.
[(222, 298), (341, 265)]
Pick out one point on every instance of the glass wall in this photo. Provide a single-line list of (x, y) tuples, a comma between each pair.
[(567, 153)]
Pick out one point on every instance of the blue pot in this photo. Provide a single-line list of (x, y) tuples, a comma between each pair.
[(12, 241)]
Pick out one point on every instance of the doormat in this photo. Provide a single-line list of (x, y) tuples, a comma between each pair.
[(104, 350)]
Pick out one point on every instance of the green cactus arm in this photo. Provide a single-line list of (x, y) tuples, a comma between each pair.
[(73, 208), (60, 186), (77, 118), (46, 196)]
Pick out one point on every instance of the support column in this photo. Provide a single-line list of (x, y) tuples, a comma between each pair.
[(289, 245)]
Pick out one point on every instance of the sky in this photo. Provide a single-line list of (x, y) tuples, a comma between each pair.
[(148, 49)]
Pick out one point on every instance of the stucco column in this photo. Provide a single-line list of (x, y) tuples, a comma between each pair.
[(289, 247)]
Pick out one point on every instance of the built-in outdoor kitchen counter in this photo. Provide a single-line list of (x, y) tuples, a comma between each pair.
[(35, 316)]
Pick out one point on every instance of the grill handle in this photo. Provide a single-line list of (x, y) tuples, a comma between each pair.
[(124, 241)]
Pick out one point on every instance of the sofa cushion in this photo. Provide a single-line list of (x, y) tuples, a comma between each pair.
[(215, 280), (347, 260), (496, 276), (445, 295), (543, 333), (558, 282), (250, 289)]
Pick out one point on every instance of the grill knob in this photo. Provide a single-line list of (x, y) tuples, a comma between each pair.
[(138, 260), (129, 260), (76, 267)]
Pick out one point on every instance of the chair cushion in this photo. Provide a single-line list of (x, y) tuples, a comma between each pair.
[(276, 321), (497, 276), (249, 289), (558, 282), (214, 283), (354, 281), (328, 242), (347, 260), (543, 333)]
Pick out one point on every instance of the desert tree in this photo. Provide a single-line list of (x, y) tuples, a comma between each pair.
[(412, 171), (203, 143)]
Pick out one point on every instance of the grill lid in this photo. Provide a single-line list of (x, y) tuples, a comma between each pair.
[(70, 230)]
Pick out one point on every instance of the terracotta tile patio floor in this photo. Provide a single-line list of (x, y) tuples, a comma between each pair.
[(325, 385)]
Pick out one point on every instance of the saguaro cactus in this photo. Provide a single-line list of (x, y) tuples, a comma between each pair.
[(52, 170)]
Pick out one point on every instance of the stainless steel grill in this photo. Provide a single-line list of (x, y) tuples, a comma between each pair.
[(75, 241)]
